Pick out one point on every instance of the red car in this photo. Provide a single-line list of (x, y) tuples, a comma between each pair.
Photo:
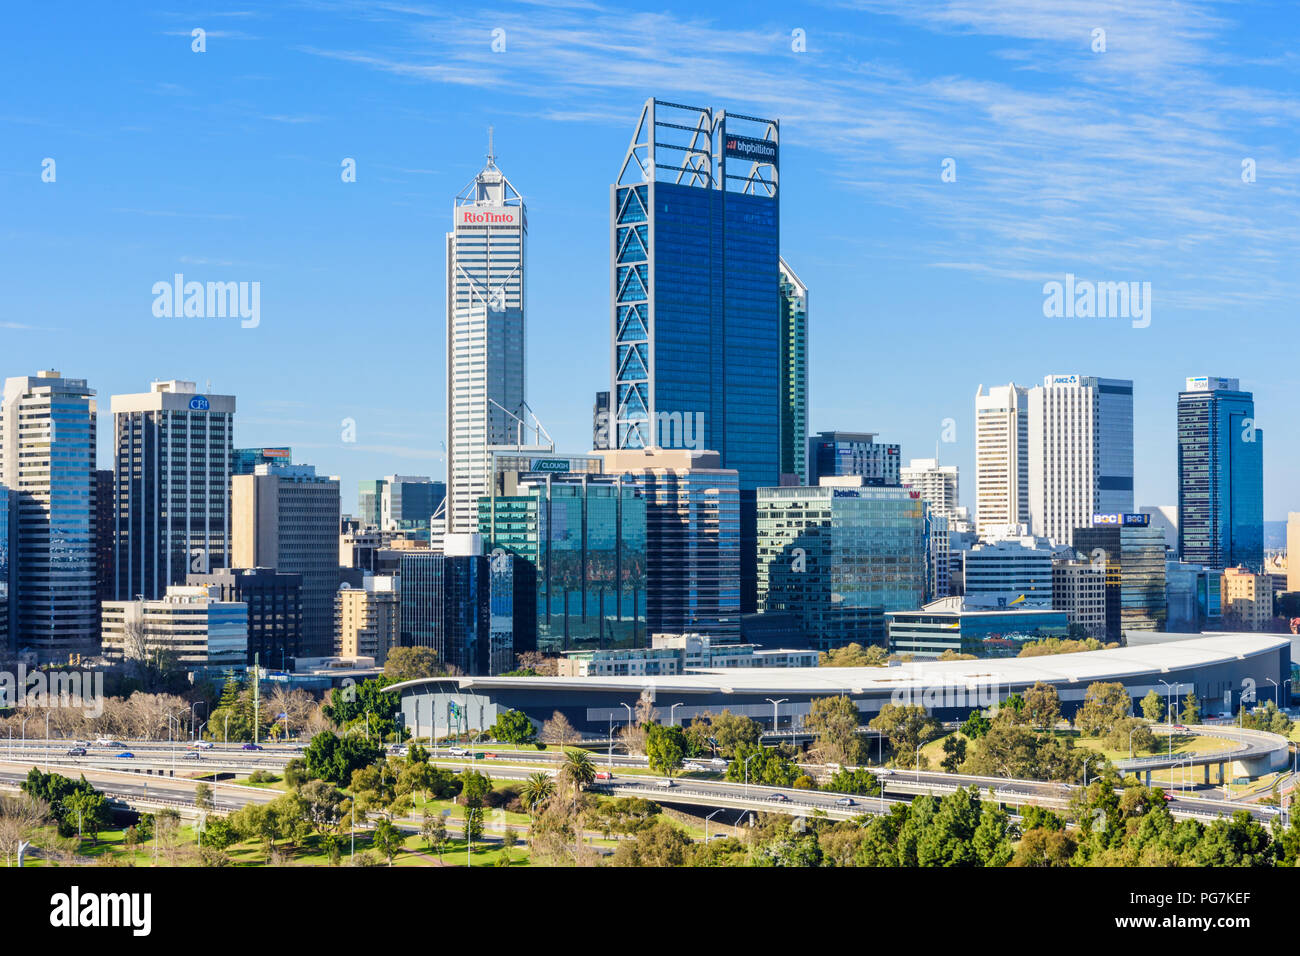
[(1168, 796)]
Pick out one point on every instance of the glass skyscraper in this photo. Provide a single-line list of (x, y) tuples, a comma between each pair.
[(586, 537), (1133, 554), (47, 457), (172, 456), (474, 611), (837, 557), (794, 375), (696, 323), (1220, 476)]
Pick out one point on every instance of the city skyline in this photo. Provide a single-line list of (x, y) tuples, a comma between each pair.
[(904, 257)]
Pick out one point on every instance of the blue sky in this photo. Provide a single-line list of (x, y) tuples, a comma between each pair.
[(1122, 165)]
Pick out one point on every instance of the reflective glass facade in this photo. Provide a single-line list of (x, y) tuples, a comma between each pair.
[(474, 611), (838, 558), (1220, 478), (1134, 558), (586, 539), (47, 456)]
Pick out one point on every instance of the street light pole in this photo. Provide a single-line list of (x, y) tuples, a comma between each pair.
[(629, 718), (609, 759), (706, 823), (776, 720), (672, 720), (1276, 702)]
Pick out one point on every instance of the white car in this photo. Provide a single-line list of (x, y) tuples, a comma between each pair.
[(458, 751), (719, 763), (203, 745)]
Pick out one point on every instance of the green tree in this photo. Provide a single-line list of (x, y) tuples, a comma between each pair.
[(858, 781), (768, 766), (1153, 707), (433, 828), (907, 726), (834, 722), (1104, 705), (1191, 708), (388, 840), (412, 663), (537, 789), (975, 726), (577, 769), (1042, 705), (475, 788), (665, 747), (954, 752), (332, 758), (854, 655), (732, 731), (513, 727)]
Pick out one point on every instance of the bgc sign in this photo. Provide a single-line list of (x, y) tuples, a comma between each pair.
[(1121, 520)]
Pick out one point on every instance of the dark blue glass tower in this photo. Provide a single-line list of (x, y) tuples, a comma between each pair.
[(1220, 476), (694, 289)]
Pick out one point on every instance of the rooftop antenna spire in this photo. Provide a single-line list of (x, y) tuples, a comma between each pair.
[(491, 155)]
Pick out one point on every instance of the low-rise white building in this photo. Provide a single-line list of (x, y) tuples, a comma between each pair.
[(191, 622)]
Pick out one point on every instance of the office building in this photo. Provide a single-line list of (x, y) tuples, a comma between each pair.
[(938, 555), (286, 517), (409, 501), (962, 627), (1079, 589), (695, 310), (1293, 551), (475, 611), (693, 540), (600, 421), (1001, 458), (1133, 554), (1220, 476), (274, 600), (794, 377), (1247, 600), (1193, 598), (172, 455), (1080, 452), (47, 458), (486, 259), (370, 502), (838, 556), (936, 483), (8, 529), (244, 461), (191, 624), (105, 579), (585, 537), (367, 620), (680, 654), (1010, 572), (854, 454), (1164, 517)]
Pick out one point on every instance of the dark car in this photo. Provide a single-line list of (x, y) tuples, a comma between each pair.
[(193, 755), (779, 798), (77, 752), (252, 746)]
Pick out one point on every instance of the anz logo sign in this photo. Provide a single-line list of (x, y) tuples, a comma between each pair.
[(198, 404)]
